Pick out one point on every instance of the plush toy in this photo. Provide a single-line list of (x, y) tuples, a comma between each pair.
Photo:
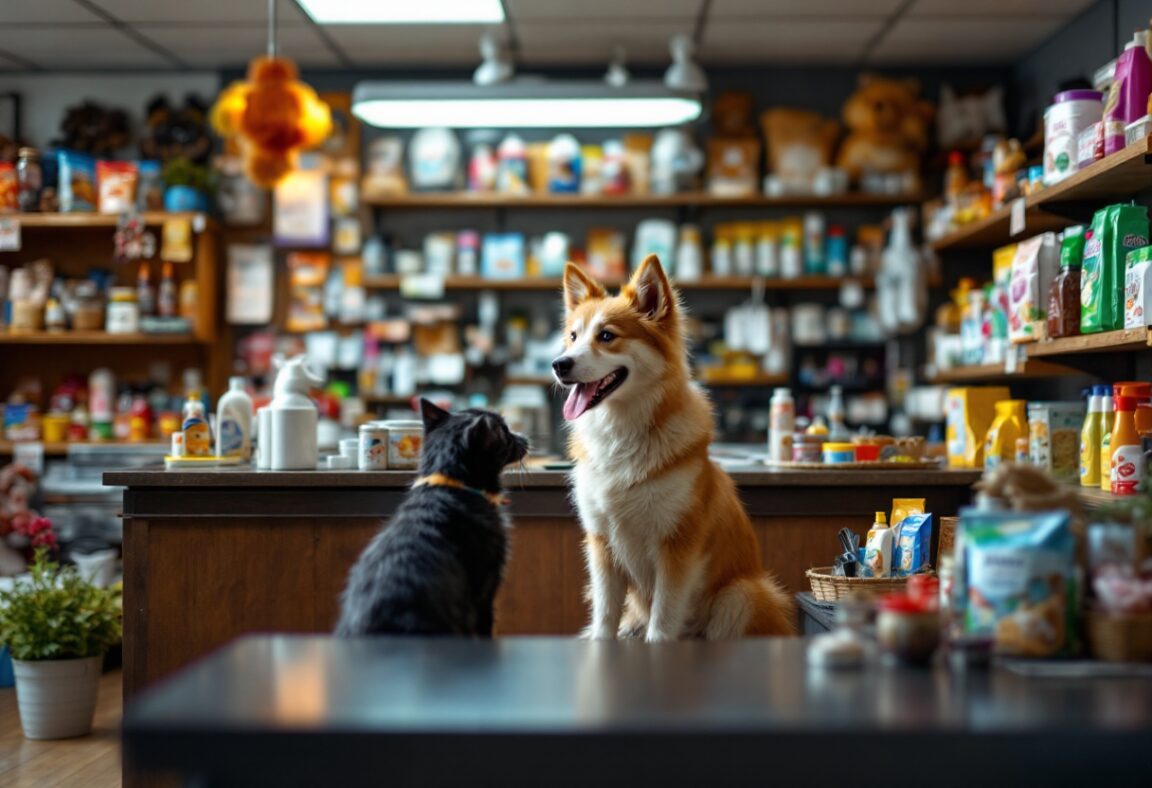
[(90, 128), (963, 121), (177, 130), (887, 128), (273, 116), (800, 144)]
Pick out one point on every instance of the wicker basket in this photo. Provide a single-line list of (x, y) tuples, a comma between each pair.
[(1117, 638), (828, 587)]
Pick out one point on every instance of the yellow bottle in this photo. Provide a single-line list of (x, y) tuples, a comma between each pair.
[(878, 549), (1011, 422), (1090, 442), (1107, 418)]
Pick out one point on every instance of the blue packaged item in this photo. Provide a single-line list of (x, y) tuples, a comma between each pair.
[(913, 550), (76, 181), (503, 256)]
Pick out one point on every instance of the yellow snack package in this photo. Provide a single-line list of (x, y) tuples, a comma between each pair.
[(901, 508)]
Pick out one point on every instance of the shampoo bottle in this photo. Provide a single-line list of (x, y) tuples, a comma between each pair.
[(234, 421), (197, 434), (878, 548), (1090, 442), (1107, 417)]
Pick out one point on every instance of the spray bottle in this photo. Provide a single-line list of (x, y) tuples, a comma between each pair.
[(288, 423)]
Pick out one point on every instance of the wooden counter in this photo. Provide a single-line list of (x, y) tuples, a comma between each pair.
[(210, 555)]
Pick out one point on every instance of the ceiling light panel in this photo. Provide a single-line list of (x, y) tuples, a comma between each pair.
[(403, 12)]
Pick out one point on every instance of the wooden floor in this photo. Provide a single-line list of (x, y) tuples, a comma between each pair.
[(92, 761)]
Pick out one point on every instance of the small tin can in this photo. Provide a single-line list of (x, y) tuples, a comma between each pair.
[(373, 452), (839, 453), (405, 439)]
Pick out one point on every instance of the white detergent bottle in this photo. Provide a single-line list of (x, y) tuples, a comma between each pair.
[(900, 288), (292, 418), (234, 421)]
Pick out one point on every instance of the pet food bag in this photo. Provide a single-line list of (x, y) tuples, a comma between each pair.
[(1034, 266), (1116, 230), (1017, 585), (913, 549), (77, 181), (1138, 288)]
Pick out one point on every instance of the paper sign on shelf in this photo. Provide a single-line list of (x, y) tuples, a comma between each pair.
[(9, 234), (1012, 359), (422, 286), (1016, 218)]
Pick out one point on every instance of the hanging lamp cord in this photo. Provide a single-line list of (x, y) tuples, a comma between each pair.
[(271, 28)]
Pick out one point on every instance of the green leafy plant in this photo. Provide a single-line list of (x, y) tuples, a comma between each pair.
[(57, 614), (179, 171)]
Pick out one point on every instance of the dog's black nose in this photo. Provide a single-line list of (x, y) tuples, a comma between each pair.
[(563, 365)]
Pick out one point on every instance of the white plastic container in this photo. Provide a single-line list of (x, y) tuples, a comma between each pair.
[(292, 419), (781, 425), (234, 421), (372, 454), (1071, 112), (405, 440), (263, 438)]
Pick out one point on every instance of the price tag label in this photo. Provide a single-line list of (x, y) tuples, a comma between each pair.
[(9, 234), (426, 286), (1012, 360), (1016, 218)]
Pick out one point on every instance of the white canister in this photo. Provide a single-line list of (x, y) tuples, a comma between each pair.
[(405, 439), (263, 438), (373, 452), (123, 315), (1071, 112)]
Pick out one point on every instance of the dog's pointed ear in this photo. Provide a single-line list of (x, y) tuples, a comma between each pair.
[(651, 292), (432, 415), (579, 287)]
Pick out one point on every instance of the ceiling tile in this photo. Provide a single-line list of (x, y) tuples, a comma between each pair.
[(587, 10), (960, 42), (787, 41), (44, 12), (415, 44), (594, 42), (85, 48), (218, 46), (751, 9), (197, 11), (970, 8)]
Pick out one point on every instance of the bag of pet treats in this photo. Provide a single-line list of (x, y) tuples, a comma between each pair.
[(1034, 266), (1019, 584), (1116, 230), (912, 552), (76, 188)]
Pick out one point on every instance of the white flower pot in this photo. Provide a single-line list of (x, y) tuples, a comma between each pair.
[(57, 697)]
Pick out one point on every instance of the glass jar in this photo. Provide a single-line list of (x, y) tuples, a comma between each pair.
[(123, 312), (29, 179), (1064, 303)]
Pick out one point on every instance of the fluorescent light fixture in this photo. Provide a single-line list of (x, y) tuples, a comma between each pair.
[(527, 104), (404, 12)]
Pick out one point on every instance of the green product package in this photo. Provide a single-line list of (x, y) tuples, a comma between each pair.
[(1072, 247), (1115, 231)]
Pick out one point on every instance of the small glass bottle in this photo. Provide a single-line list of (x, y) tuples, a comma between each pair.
[(145, 295), (1064, 302), (29, 179), (166, 298)]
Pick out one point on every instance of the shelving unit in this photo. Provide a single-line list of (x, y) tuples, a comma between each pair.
[(98, 220), (763, 380), (60, 448), (95, 338), (990, 373), (475, 283), (1128, 340), (467, 200)]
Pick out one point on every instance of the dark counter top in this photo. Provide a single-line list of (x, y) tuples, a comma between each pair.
[(298, 710)]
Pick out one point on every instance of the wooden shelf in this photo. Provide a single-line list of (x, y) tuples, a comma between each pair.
[(995, 373), (97, 220), (470, 283), (1106, 342), (690, 200), (387, 399), (762, 380), (1114, 178), (60, 448), (96, 338), (1094, 497)]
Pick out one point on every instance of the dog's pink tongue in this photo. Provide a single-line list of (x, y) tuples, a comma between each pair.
[(579, 400)]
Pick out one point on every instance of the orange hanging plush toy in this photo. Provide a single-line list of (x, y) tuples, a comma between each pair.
[(273, 116)]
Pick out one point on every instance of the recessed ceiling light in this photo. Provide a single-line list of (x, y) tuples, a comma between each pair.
[(404, 12), (529, 104)]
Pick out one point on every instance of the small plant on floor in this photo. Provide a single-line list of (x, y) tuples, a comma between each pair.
[(57, 627)]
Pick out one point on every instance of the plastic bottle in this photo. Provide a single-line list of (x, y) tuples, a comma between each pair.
[(145, 295), (1127, 454), (901, 297), (234, 421), (878, 548), (1107, 411), (1090, 442), (1011, 423), (1127, 99), (814, 260), (836, 250), (197, 433), (791, 257), (955, 178), (837, 429), (292, 418), (166, 296), (767, 251), (781, 425), (689, 254), (101, 403)]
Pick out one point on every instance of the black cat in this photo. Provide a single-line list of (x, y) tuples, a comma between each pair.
[(434, 569)]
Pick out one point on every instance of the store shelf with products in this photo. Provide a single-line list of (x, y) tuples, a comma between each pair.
[(95, 338), (471, 283), (1126, 340), (1074, 199), (60, 448), (986, 373), (60, 221), (761, 380), (453, 200)]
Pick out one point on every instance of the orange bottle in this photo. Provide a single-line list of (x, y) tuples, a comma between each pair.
[(1127, 453), (1142, 393)]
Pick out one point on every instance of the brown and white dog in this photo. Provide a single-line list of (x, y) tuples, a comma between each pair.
[(663, 525)]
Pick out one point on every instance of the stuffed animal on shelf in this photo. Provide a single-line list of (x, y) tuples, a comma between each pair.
[(887, 128), (963, 121), (177, 130), (800, 144), (91, 128)]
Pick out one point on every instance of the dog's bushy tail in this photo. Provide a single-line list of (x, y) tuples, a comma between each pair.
[(752, 607)]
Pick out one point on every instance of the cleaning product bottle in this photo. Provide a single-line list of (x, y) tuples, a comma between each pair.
[(837, 429), (1107, 416), (781, 425), (1090, 441), (292, 418), (1011, 423), (1127, 99), (197, 433), (1127, 452), (955, 178), (900, 291), (234, 421), (878, 548)]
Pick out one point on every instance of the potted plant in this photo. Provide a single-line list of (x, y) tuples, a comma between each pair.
[(186, 185), (57, 627)]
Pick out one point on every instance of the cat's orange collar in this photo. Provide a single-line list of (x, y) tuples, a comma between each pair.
[(440, 480)]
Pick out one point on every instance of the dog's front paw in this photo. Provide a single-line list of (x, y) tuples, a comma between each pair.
[(654, 636), (597, 633)]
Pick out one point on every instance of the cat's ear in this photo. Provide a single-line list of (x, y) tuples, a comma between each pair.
[(432, 415)]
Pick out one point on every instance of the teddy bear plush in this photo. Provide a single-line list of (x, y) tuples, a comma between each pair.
[(177, 131), (887, 127)]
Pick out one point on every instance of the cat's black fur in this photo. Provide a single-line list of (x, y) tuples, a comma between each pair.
[(434, 569)]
